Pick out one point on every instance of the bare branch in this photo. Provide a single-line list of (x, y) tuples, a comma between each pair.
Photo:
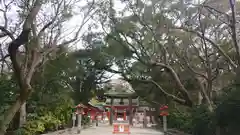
[(220, 50), (233, 29), (182, 89), (32, 15), (187, 64), (203, 91), (214, 9), (175, 98), (5, 27), (53, 19), (86, 18), (6, 32), (4, 58)]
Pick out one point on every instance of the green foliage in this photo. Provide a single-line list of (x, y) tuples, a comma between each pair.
[(47, 122), (179, 120), (88, 73), (228, 110), (197, 121), (52, 101), (144, 35), (117, 46), (48, 118), (7, 90), (203, 121)]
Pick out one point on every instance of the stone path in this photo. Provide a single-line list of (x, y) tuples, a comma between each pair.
[(106, 130)]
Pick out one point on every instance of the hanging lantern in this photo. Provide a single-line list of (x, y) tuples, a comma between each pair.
[(164, 110), (79, 109)]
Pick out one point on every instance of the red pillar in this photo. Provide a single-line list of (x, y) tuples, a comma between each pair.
[(108, 114), (115, 113), (124, 115)]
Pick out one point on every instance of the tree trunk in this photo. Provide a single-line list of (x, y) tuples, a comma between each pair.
[(10, 113), (23, 80), (237, 78), (200, 98), (23, 114), (8, 116), (206, 99), (14, 125)]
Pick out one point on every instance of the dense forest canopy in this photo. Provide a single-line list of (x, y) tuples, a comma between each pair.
[(184, 53)]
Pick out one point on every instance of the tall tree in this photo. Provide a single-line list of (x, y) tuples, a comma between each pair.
[(35, 36), (90, 62), (178, 40)]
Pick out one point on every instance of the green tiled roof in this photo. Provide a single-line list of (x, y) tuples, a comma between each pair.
[(99, 106), (120, 94)]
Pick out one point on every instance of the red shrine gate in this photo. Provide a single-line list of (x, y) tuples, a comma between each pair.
[(120, 111)]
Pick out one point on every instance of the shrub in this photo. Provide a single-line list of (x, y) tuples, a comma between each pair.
[(197, 121), (228, 110), (32, 128), (47, 122), (203, 121), (47, 119), (179, 120)]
